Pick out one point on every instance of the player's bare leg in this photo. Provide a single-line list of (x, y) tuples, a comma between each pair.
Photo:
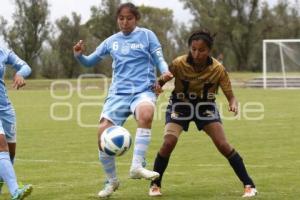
[(12, 151)]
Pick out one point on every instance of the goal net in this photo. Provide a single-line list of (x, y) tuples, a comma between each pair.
[(281, 63)]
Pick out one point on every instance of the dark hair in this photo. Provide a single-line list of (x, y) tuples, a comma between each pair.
[(133, 9), (204, 35)]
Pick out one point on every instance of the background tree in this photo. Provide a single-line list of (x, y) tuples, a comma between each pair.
[(235, 25), (181, 34), (29, 30), (51, 66), (70, 32), (101, 25), (282, 20), (242, 25), (160, 21)]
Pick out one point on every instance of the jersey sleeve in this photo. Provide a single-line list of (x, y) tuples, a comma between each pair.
[(88, 61), (225, 82), (172, 67), (95, 57), (159, 60), (154, 43), (18, 64), (103, 49)]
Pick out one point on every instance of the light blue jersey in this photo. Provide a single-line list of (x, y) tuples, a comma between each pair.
[(7, 113), (8, 57), (134, 59)]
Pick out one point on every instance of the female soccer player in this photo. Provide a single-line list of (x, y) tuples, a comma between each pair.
[(8, 124), (197, 77), (135, 51)]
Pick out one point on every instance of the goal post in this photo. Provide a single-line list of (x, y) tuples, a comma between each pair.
[(281, 60)]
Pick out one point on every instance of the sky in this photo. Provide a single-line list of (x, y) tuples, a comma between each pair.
[(59, 8)]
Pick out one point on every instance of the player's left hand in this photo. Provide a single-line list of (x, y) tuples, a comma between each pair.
[(233, 106), (157, 89), (18, 81)]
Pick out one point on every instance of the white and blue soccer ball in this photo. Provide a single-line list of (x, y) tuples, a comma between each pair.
[(115, 141)]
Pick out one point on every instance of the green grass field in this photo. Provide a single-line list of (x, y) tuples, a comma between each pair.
[(60, 158)]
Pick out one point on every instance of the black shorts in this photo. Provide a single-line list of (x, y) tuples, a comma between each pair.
[(182, 113)]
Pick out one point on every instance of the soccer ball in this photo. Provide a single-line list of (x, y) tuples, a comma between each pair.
[(115, 141)]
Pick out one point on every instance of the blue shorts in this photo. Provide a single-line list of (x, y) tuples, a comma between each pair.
[(182, 113), (118, 107), (8, 124)]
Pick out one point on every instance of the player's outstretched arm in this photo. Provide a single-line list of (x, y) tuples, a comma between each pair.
[(87, 61)]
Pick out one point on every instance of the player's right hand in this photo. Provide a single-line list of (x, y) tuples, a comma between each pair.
[(78, 48), (18, 81), (233, 106)]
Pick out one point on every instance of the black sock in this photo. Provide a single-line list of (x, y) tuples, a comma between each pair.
[(239, 168), (160, 165)]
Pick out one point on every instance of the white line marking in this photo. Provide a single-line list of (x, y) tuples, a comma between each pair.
[(129, 163)]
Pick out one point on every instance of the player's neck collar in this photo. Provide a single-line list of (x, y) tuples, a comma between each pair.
[(209, 62), (134, 30)]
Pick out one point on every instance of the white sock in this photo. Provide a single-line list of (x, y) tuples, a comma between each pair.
[(108, 163), (1, 179), (142, 141), (7, 172)]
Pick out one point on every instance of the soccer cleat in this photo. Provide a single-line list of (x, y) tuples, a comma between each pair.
[(1, 185), (249, 191), (22, 192), (141, 172), (109, 188), (154, 191)]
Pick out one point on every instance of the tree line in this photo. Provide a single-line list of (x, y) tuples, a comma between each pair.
[(239, 25)]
